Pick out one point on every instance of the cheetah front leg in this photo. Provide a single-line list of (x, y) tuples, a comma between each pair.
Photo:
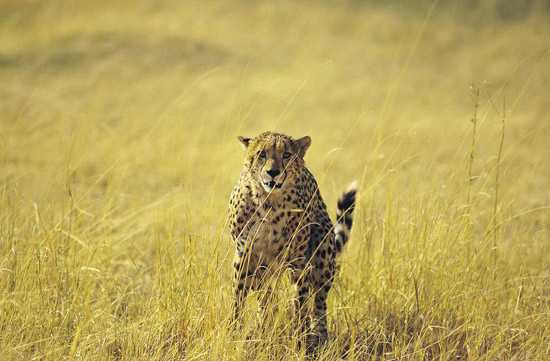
[(241, 287), (322, 287), (240, 293), (320, 331), (301, 310)]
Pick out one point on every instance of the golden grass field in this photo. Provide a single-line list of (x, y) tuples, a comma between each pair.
[(118, 151)]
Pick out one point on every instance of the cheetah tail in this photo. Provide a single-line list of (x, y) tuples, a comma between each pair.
[(344, 216)]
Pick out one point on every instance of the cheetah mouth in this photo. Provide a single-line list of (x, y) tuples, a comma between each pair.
[(271, 185)]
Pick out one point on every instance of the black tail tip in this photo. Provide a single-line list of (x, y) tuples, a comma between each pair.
[(347, 200)]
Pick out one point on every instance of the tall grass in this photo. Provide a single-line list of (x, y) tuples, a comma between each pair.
[(118, 152)]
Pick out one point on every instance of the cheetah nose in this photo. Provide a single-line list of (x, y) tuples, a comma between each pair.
[(273, 172)]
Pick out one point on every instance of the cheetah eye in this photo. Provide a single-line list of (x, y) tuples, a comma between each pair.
[(286, 155), (262, 154)]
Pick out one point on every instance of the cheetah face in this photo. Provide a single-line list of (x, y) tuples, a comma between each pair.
[(273, 159)]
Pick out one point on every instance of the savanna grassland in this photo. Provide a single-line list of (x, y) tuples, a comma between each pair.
[(118, 151)]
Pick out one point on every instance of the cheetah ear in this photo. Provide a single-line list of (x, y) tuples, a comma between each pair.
[(244, 141), (302, 145)]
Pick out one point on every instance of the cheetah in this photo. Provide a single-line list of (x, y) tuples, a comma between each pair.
[(279, 221)]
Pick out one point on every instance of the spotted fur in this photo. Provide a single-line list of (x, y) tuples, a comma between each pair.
[(279, 221)]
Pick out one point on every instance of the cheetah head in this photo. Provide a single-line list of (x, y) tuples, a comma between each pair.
[(273, 160)]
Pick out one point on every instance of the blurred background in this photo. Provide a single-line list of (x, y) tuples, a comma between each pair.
[(155, 89), (118, 151)]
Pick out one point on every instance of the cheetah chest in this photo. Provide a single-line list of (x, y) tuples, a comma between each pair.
[(267, 234)]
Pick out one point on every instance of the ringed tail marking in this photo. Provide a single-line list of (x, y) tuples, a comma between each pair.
[(344, 216)]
